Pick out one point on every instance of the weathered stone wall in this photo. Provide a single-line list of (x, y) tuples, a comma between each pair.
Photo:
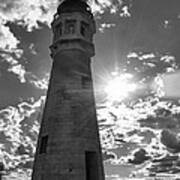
[(70, 123)]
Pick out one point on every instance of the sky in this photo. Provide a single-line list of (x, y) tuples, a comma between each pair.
[(137, 42)]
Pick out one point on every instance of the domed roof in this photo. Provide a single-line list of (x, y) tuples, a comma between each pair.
[(73, 6)]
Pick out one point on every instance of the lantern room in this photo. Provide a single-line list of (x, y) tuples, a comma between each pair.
[(73, 27)]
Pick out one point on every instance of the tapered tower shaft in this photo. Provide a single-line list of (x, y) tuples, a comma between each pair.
[(68, 145)]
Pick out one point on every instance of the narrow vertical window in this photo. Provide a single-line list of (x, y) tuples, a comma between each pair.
[(59, 29), (70, 26), (84, 29), (91, 165), (43, 144), (85, 81)]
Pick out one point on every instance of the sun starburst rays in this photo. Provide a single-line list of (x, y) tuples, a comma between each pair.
[(120, 87)]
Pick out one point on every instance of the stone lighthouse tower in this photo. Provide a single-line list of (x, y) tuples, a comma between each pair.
[(68, 145)]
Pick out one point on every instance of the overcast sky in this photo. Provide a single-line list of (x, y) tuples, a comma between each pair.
[(136, 37)]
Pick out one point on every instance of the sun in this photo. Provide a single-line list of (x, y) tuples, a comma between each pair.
[(120, 87)]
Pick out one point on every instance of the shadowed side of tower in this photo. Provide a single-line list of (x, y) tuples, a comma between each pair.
[(68, 145)]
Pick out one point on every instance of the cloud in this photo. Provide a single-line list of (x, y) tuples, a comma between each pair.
[(167, 164), (99, 6), (170, 140), (28, 13), (13, 65), (116, 122), (19, 126), (113, 177), (153, 72), (109, 155), (32, 49), (20, 71), (19, 175), (170, 87), (104, 26), (10, 53), (8, 42), (38, 82), (140, 156), (136, 129), (151, 64), (125, 12)]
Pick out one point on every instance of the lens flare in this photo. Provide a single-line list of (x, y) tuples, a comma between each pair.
[(119, 87)]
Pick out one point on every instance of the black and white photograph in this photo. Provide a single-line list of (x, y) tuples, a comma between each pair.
[(89, 89)]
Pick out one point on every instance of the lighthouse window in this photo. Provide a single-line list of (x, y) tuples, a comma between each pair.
[(43, 145), (70, 26), (91, 165), (59, 29), (85, 81), (84, 28)]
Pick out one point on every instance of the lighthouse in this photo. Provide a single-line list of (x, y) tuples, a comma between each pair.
[(68, 146)]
